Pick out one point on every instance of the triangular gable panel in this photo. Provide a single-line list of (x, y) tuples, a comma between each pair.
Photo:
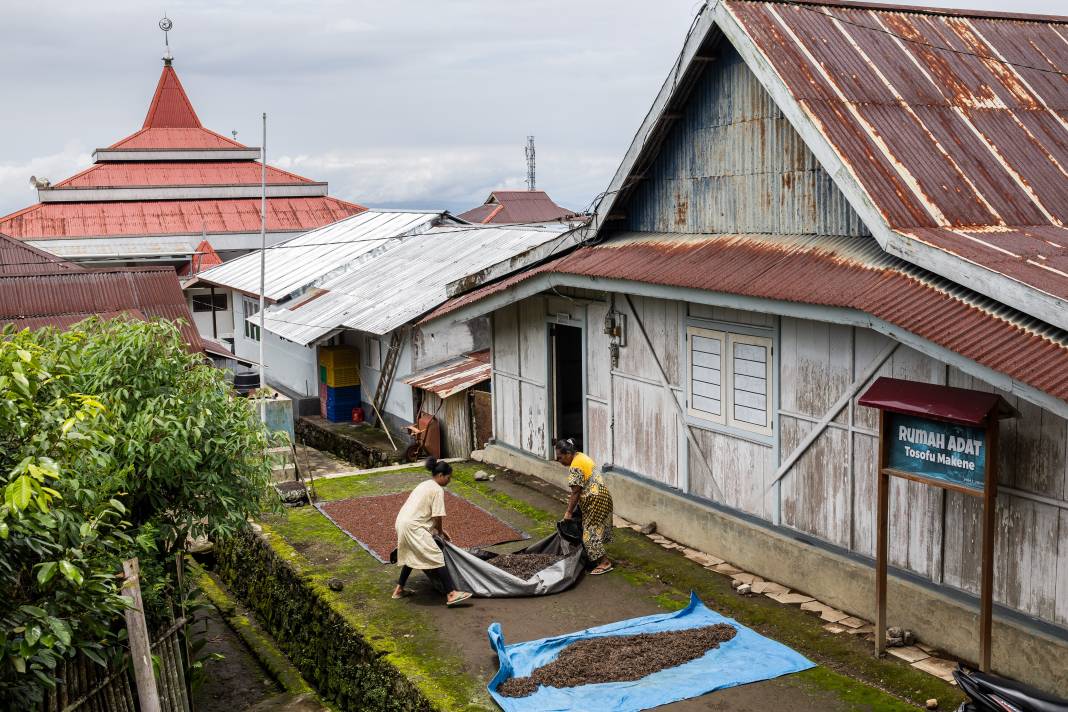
[(934, 188), (732, 163)]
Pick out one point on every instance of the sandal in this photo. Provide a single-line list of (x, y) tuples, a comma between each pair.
[(403, 594), (601, 570), (459, 599)]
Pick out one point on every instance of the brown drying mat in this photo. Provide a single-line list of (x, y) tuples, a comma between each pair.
[(371, 522)]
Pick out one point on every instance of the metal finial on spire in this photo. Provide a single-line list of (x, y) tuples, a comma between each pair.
[(529, 151), (166, 24)]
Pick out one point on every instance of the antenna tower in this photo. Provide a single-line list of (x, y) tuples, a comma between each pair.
[(529, 151)]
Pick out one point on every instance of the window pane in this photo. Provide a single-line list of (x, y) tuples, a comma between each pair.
[(749, 382), (706, 373)]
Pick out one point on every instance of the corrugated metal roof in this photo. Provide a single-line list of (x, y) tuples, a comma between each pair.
[(314, 257), (453, 376), (62, 299), (398, 285), (110, 175), (164, 217), (929, 120), (175, 139), (17, 257), (170, 107), (847, 272), (513, 207)]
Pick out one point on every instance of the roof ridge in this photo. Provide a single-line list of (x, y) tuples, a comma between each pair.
[(170, 107), (921, 10)]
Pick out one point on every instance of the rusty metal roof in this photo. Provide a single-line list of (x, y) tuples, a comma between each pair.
[(112, 175), (175, 138), (930, 400), (513, 207), (848, 272), (45, 221), (62, 299), (17, 257), (946, 130), (170, 107), (453, 376)]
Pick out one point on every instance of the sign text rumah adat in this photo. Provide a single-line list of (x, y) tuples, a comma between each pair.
[(937, 450)]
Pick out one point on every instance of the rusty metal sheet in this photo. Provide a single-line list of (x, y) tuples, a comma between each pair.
[(945, 118), (62, 299), (847, 272), (453, 376), (17, 257), (513, 207)]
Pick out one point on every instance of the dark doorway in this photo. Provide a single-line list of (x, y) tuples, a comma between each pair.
[(567, 382)]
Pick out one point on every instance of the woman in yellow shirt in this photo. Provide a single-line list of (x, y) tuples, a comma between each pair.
[(590, 496)]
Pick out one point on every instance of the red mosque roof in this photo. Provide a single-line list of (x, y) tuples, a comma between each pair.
[(161, 202), (204, 258)]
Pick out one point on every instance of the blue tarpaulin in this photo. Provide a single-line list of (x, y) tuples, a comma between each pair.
[(748, 657)]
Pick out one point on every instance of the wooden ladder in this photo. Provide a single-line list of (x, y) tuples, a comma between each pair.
[(385, 378)]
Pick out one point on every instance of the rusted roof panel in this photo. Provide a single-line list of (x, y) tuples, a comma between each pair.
[(929, 400), (162, 217), (125, 175), (17, 257), (950, 121), (513, 207), (62, 299), (453, 376), (845, 272)]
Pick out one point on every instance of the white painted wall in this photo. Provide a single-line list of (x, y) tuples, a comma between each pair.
[(829, 493)]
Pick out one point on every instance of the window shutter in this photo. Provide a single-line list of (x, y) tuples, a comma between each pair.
[(750, 369), (705, 394)]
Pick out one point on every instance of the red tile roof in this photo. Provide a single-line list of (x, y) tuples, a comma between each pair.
[(110, 175), (509, 207), (204, 258), (18, 257), (850, 272), (46, 221), (35, 299)]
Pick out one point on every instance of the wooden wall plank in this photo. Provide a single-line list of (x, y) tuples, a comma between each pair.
[(598, 358), (506, 340), (532, 420), (533, 339), (506, 410), (1061, 615), (865, 466), (646, 430), (598, 434), (742, 468)]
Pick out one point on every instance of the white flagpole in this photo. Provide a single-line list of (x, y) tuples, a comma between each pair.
[(263, 260)]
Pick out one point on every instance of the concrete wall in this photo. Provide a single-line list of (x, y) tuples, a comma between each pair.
[(1019, 651), (224, 320)]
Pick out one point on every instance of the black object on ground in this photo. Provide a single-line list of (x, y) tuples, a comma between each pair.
[(620, 658), (524, 565), (292, 493), (570, 529), (990, 693)]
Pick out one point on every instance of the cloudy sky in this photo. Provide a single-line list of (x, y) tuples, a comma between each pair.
[(420, 103)]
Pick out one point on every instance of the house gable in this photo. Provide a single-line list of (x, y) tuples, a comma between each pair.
[(732, 163)]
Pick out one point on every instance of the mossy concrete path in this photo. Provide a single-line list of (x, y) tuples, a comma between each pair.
[(446, 650)]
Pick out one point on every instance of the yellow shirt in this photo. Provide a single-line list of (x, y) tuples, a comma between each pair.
[(583, 473)]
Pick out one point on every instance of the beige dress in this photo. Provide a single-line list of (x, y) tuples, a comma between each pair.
[(415, 524)]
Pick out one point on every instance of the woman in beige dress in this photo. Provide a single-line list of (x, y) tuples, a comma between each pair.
[(421, 516)]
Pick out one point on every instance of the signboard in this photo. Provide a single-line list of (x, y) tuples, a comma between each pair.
[(936, 450)]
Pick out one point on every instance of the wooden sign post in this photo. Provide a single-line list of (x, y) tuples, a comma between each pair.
[(944, 437)]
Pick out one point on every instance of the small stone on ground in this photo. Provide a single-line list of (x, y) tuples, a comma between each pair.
[(727, 569), (769, 587)]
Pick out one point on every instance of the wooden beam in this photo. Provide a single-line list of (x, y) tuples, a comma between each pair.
[(137, 630), (882, 538), (666, 383), (831, 414), (986, 587)]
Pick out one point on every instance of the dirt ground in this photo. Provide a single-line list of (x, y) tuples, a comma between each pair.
[(448, 651)]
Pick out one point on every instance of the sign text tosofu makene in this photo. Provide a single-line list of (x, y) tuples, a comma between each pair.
[(937, 450)]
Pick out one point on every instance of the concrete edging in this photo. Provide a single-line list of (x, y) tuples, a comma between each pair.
[(1023, 654)]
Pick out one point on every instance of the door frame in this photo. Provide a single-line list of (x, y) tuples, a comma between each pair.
[(550, 380)]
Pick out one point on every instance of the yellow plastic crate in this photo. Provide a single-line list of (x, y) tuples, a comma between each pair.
[(342, 376), (338, 356)]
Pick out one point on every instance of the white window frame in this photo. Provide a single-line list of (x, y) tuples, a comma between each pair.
[(252, 331), (692, 331), (768, 345)]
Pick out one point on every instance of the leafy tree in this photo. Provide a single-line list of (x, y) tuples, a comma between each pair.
[(115, 440)]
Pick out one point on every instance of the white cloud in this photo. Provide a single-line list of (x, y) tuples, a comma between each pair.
[(15, 189), (456, 178)]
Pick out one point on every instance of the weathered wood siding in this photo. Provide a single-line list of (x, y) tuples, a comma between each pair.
[(454, 420), (733, 163)]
